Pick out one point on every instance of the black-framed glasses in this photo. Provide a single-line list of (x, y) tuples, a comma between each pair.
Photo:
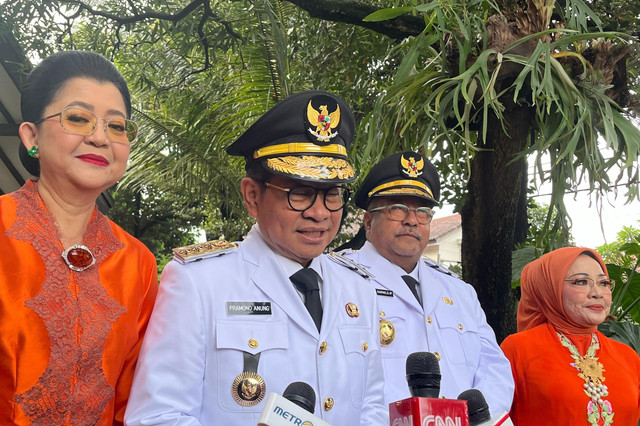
[(399, 212), (584, 284), (301, 197), (83, 122)]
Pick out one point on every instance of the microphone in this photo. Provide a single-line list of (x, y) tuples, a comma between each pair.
[(477, 406), (479, 414), (423, 375), (424, 407), (294, 407), (301, 394)]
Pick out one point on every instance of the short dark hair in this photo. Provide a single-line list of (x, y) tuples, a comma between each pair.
[(255, 170), (48, 77)]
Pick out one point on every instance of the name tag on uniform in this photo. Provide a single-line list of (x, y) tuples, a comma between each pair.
[(248, 308), (383, 292)]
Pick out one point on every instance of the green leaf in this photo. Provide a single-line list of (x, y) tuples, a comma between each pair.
[(630, 248), (623, 331), (385, 14), (520, 258)]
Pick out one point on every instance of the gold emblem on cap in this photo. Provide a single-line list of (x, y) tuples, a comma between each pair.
[(312, 167), (248, 389), (253, 343), (324, 122), (387, 332), (328, 403), (447, 300), (352, 310), (412, 168), (323, 348)]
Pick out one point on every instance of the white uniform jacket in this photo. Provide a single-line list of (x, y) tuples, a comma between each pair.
[(193, 348), (452, 324)]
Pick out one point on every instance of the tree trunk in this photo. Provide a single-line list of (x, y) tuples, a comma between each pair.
[(490, 214)]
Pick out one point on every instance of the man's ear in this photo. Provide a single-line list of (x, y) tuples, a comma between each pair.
[(28, 135), (368, 217), (251, 192)]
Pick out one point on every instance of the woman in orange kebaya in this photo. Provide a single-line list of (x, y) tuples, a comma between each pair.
[(76, 290), (566, 372)]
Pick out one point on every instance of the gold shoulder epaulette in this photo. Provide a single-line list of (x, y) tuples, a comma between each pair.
[(343, 260), (201, 251), (438, 267)]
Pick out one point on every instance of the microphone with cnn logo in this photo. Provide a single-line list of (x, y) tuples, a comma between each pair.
[(424, 408)]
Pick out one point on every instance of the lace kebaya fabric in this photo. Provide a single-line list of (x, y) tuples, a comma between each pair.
[(68, 340)]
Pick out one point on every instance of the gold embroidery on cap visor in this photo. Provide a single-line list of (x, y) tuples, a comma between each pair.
[(312, 167), (408, 187)]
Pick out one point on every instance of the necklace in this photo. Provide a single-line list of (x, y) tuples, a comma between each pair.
[(599, 410)]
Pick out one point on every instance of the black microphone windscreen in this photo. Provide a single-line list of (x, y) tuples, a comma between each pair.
[(423, 374), (422, 362), (301, 394), (477, 406)]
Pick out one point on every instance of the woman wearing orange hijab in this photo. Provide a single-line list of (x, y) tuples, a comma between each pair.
[(566, 372), (76, 291)]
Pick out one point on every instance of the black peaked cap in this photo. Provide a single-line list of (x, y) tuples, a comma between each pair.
[(303, 137), (400, 174)]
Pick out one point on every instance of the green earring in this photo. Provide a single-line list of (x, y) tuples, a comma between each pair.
[(33, 151)]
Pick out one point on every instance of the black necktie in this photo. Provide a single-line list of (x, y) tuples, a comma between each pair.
[(413, 286), (306, 281)]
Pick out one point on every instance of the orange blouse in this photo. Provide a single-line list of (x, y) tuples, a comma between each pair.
[(69, 340), (548, 390)]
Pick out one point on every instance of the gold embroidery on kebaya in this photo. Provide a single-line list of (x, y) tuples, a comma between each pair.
[(599, 410)]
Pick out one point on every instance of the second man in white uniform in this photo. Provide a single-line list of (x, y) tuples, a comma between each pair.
[(423, 306)]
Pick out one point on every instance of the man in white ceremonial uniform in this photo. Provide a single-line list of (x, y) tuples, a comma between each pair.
[(271, 310), (423, 306)]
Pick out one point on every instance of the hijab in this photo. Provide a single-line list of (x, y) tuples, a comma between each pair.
[(542, 282)]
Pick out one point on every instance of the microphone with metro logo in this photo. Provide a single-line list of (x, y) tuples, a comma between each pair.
[(424, 408), (295, 407)]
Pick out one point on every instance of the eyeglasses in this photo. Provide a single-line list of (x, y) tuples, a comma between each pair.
[(584, 284), (399, 212), (82, 122), (302, 197)]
